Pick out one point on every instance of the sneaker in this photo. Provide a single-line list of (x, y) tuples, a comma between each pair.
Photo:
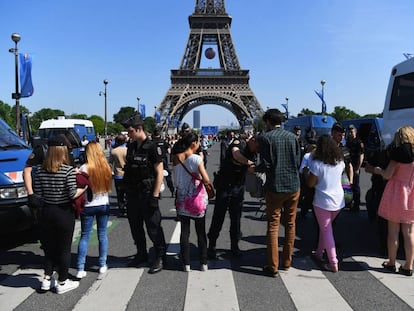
[(187, 268), (66, 286), (47, 284), (103, 269), (204, 267), (81, 274)]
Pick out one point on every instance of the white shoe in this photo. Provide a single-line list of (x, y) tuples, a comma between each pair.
[(187, 268), (81, 274), (204, 267), (47, 284), (66, 286), (103, 269)]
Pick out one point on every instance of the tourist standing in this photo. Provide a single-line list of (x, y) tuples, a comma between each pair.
[(397, 202), (117, 159), (325, 171), (100, 179), (55, 183), (280, 155)]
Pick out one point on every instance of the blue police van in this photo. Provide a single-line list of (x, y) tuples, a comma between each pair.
[(322, 124), (15, 214)]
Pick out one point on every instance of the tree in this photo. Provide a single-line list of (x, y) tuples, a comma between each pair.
[(98, 124), (342, 113), (306, 112), (123, 114), (44, 114), (6, 113), (78, 116)]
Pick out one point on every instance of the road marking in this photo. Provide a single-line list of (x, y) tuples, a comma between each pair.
[(401, 285), (211, 290), (17, 287), (112, 291), (306, 276)]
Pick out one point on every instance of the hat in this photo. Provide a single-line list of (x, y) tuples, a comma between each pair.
[(297, 128), (133, 121), (351, 127), (338, 127), (58, 140)]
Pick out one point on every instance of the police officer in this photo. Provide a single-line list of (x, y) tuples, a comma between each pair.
[(143, 177), (166, 150), (356, 150), (229, 184)]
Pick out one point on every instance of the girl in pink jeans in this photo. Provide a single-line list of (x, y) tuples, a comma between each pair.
[(324, 173)]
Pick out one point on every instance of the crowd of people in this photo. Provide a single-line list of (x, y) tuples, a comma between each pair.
[(308, 174)]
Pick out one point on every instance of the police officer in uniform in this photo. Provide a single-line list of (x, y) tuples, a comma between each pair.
[(166, 149), (229, 184), (143, 177)]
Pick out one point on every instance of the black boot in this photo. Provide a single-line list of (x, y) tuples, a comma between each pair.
[(211, 250), (235, 250)]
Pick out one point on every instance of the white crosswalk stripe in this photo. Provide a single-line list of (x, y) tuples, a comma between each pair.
[(308, 287)]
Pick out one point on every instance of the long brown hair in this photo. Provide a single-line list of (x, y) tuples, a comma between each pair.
[(328, 151), (56, 156), (99, 171)]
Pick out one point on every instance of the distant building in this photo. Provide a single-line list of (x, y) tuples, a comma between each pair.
[(196, 119)]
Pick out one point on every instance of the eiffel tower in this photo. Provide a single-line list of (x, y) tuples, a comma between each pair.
[(192, 86)]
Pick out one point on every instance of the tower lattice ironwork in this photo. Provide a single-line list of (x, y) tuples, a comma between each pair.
[(192, 86)]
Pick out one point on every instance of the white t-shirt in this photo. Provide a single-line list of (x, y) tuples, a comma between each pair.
[(306, 161), (183, 180), (97, 199), (329, 194)]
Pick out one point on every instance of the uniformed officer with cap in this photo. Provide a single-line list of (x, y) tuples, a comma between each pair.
[(229, 184), (143, 177)]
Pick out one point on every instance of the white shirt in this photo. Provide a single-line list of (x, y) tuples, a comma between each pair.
[(329, 194), (306, 161)]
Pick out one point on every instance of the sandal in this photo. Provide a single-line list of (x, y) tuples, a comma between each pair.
[(406, 272), (388, 267), (329, 267)]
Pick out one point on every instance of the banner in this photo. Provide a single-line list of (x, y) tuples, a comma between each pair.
[(158, 116), (320, 95), (26, 85), (142, 110)]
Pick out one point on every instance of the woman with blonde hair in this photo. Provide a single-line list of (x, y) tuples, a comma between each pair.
[(55, 184), (100, 179), (397, 202)]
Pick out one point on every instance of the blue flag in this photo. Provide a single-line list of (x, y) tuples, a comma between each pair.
[(26, 85), (158, 116), (408, 55), (320, 95), (142, 110)]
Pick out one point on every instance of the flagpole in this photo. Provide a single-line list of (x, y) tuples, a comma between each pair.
[(287, 108), (138, 105), (16, 38), (323, 95)]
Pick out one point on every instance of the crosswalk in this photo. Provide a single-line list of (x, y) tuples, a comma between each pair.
[(217, 289)]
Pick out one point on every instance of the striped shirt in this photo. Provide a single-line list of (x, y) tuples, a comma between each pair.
[(56, 188)]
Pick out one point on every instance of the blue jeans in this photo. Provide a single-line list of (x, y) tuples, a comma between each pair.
[(87, 216)]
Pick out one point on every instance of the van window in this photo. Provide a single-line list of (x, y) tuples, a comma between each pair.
[(403, 92)]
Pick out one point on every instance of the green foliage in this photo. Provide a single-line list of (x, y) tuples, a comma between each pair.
[(306, 112), (44, 114), (7, 115), (342, 113), (78, 116), (98, 124), (123, 114), (149, 124), (115, 128)]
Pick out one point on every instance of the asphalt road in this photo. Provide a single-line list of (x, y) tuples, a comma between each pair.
[(230, 283)]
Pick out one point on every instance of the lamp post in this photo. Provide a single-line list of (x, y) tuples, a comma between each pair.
[(287, 107), (106, 119), (138, 104), (323, 95), (16, 38)]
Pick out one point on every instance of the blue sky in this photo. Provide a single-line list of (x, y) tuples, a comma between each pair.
[(288, 46)]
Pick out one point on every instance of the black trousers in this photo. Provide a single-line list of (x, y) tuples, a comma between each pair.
[(120, 193), (356, 191), (139, 212), (57, 225), (227, 198), (200, 226)]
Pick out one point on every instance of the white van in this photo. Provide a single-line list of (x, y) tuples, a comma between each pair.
[(399, 101)]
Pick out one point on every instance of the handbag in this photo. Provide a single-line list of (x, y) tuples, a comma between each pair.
[(208, 187), (346, 185)]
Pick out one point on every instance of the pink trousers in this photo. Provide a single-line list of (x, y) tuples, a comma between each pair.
[(326, 238)]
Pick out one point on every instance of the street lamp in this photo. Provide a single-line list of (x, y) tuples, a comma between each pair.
[(106, 119), (287, 107), (138, 105), (16, 38), (323, 96)]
